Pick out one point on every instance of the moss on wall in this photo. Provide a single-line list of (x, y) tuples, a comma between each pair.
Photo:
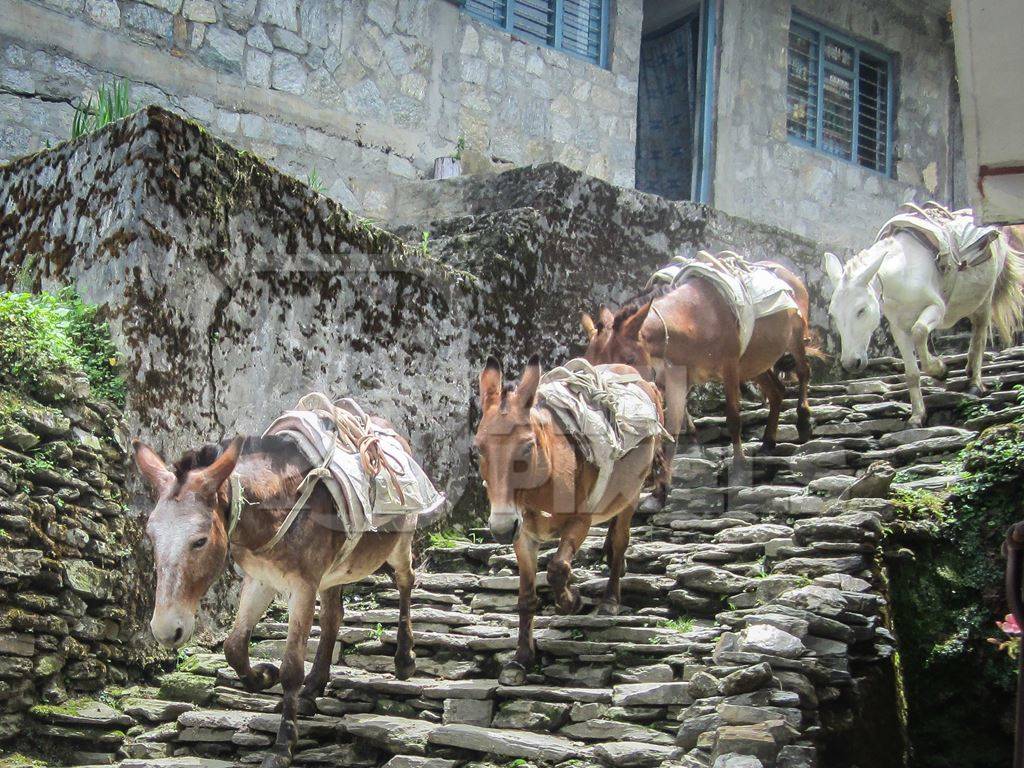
[(946, 600)]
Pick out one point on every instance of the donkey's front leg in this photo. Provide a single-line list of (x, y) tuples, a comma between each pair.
[(405, 579), (567, 597), (253, 602), (913, 374), (331, 613), (927, 322), (514, 672), (674, 384), (981, 322), (300, 620)]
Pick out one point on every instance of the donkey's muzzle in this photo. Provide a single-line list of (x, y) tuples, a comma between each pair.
[(504, 528), (172, 630)]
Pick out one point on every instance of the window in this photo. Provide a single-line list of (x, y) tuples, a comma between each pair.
[(577, 27), (839, 96)]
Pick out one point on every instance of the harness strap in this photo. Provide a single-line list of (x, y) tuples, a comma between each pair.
[(236, 504), (664, 326)]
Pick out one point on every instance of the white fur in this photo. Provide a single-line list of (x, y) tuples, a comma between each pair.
[(898, 277)]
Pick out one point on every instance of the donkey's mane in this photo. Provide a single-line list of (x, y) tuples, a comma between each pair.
[(633, 304), (858, 261), (275, 446)]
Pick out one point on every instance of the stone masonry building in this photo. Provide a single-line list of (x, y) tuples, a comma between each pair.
[(815, 116)]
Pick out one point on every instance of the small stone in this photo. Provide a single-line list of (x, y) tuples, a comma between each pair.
[(766, 639), (747, 679), (631, 754), (651, 694)]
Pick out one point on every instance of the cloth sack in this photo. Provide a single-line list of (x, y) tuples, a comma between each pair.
[(607, 414)]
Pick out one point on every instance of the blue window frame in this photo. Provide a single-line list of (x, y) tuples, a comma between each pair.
[(839, 95), (576, 27)]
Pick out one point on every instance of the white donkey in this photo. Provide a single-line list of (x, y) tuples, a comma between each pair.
[(899, 277)]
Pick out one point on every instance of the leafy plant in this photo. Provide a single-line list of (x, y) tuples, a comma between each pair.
[(460, 147), (679, 625), (316, 183), (378, 632), (971, 409), (56, 333), (425, 243), (446, 539), (113, 102)]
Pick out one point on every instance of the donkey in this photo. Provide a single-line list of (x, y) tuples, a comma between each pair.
[(685, 334), (538, 484), (190, 532), (899, 277)]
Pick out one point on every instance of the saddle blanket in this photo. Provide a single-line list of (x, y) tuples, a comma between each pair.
[(751, 291), (337, 438), (607, 414), (957, 241)]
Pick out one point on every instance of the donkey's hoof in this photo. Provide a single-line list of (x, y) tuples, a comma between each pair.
[(307, 706), (514, 673), (939, 371), (264, 676), (978, 391), (652, 505), (571, 604), (405, 668), (608, 608), (915, 421)]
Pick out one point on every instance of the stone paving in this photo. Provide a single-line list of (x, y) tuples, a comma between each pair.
[(755, 626)]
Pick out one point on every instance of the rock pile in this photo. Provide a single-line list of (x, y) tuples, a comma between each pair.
[(755, 634), (66, 619)]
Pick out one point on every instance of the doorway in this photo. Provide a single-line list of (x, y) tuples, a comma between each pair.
[(674, 99)]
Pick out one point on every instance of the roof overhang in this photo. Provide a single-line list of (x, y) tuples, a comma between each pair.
[(989, 41)]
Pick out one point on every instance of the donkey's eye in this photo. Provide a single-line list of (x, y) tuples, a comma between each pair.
[(862, 311), (526, 449), (199, 543)]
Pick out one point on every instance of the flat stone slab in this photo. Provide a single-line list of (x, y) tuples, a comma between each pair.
[(399, 735), (509, 743), (633, 754), (82, 712)]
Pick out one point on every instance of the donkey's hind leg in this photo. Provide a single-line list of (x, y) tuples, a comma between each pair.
[(803, 376), (615, 548), (773, 391), (331, 613), (253, 602), (981, 323), (400, 561)]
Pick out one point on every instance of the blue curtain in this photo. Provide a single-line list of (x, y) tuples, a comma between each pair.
[(666, 110)]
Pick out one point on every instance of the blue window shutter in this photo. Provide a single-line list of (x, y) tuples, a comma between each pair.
[(491, 11), (577, 27)]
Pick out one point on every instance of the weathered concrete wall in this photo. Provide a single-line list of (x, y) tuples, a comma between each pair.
[(596, 228), (762, 175), (366, 92)]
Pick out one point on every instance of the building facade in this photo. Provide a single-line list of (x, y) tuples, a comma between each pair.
[(690, 99)]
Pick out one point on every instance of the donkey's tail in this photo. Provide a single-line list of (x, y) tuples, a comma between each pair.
[(1008, 298)]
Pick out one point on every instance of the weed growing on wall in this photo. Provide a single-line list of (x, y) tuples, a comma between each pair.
[(947, 600), (46, 333), (112, 102)]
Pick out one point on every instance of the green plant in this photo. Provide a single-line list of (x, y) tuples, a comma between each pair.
[(446, 539), (679, 625), (971, 409), (460, 147), (425, 244), (378, 632), (316, 183), (113, 102), (56, 333)]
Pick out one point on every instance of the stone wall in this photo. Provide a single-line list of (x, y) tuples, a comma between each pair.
[(365, 92), (762, 175), (67, 626)]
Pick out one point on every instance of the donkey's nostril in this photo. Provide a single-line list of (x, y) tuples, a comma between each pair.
[(178, 633)]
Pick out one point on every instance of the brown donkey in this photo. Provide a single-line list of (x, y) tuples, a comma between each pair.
[(538, 484), (189, 530), (685, 335)]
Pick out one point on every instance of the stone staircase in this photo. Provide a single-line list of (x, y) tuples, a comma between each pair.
[(754, 632)]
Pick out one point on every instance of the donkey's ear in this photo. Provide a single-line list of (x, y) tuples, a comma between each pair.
[(630, 327), (158, 476), (870, 269), (588, 325), (526, 389), (606, 316), (209, 479), (490, 383), (833, 268)]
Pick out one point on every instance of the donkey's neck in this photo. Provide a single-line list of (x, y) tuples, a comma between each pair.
[(565, 473)]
